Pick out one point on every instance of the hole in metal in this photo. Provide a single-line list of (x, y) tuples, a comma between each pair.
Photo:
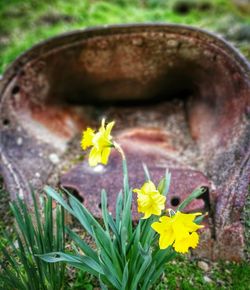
[(6, 122), (15, 90), (175, 201), (75, 193), (100, 205), (205, 197), (2, 187)]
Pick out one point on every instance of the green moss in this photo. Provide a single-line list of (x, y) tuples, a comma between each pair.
[(184, 273)]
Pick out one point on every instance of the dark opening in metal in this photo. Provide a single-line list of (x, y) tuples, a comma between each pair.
[(100, 205), (175, 201), (15, 90), (74, 192), (6, 122), (205, 197), (2, 187)]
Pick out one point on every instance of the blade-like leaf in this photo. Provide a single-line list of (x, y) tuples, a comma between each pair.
[(140, 272), (87, 250), (195, 194), (56, 196), (146, 172), (125, 277), (105, 209), (119, 202), (63, 257), (164, 184)]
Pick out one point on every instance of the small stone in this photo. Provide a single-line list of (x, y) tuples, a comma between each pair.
[(207, 279), (99, 168), (21, 194), (19, 141), (137, 41), (173, 43), (37, 174), (203, 266), (54, 158)]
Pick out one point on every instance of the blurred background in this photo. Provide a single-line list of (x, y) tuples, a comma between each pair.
[(26, 22)]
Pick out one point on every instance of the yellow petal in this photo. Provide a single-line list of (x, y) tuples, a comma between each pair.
[(182, 245), (87, 138), (147, 214), (157, 227), (94, 156), (143, 200), (159, 199), (156, 210), (165, 220), (161, 227), (185, 222), (137, 190), (109, 128), (102, 128), (166, 240), (105, 155), (193, 240), (148, 187)]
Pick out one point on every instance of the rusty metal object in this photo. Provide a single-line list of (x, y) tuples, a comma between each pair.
[(180, 98)]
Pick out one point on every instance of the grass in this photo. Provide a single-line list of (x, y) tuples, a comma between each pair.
[(24, 23)]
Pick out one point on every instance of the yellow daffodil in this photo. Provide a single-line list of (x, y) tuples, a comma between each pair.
[(149, 200), (178, 230), (100, 141)]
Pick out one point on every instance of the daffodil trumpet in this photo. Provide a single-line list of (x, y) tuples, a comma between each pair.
[(150, 201), (100, 141)]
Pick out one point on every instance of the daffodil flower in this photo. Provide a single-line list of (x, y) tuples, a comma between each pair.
[(149, 200), (100, 141), (178, 230)]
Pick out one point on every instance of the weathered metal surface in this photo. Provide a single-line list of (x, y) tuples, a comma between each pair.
[(180, 98)]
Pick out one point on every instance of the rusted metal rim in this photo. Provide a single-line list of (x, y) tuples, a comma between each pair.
[(70, 37)]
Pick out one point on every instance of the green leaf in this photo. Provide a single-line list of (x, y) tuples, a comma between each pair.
[(104, 209), (88, 251), (148, 276), (140, 272), (161, 258), (119, 202), (164, 184), (135, 237), (143, 252), (125, 277), (125, 180), (146, 172), (56, 196), (195, 194), (199, 219), (86, 261), (127, 215), (84, 216)]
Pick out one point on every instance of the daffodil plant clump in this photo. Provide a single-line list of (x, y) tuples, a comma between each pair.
[(127, 256)]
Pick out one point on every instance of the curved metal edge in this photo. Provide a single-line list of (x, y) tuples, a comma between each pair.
[(50, 43)]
